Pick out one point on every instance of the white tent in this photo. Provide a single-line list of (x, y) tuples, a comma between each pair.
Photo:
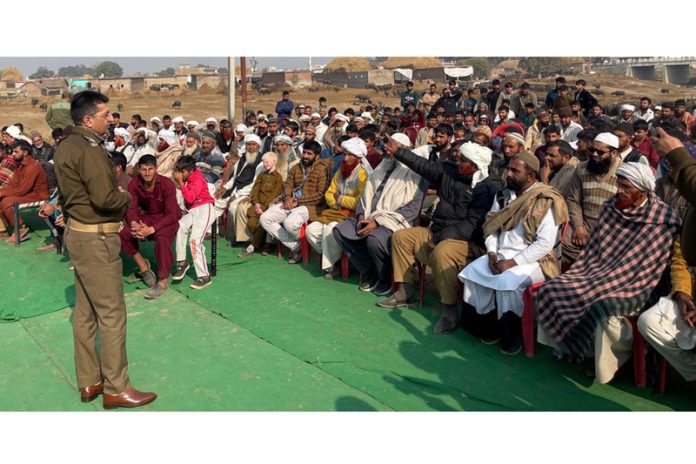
[(458, 73), (403, 75)]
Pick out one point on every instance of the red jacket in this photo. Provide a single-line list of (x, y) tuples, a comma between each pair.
[(28, 178), (195, 191), (647, 149)]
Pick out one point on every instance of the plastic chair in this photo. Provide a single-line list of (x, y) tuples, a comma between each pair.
[(304, 245), (16, 206), (528, 311), (639, 365)]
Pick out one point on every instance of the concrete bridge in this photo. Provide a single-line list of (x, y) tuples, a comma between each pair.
[(677, 69)]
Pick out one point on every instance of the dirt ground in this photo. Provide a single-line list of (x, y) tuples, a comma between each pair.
[(200, 105)]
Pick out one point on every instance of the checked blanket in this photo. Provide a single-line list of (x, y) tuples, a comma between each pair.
[(614, 275)]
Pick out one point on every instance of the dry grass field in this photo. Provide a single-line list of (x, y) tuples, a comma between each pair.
[(210, 102)]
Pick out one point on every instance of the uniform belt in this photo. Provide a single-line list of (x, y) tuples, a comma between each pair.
[(103, 228)]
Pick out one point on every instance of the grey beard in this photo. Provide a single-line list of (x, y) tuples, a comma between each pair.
[(251, 157), (189, 151)]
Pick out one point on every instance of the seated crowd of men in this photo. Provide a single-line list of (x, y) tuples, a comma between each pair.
[(493, 192)]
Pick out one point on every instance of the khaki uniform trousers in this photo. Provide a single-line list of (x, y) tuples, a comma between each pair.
[(242, 232), (99, 307), (446, 260)]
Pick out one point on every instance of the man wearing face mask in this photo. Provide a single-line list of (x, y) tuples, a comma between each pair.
[(455, 237), (622, 263), (593, 183)]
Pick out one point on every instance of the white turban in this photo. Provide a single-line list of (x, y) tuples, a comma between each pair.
[(315, 115), (402, 139), (168, 136), (608, 138), (178, 119), (480, 156), (342, 117), (367, 115), (282, 138), (211, 119), (355, 146), (156, 119), (192, 123), (358, 119), (639, 175), (121, 132), (14, 132), (252, 138), (261, 117), (241, 128), (628, 107)]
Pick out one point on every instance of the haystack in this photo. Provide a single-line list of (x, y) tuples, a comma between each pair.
[(348, 64), (412, 62)]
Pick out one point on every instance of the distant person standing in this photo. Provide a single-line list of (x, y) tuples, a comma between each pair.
[(58, 115), (284, 107), (409, 96), (94, 207)]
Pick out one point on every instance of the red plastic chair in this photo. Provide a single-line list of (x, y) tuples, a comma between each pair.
[(304, 245), (639, 365), (345, 271), (528, 311)]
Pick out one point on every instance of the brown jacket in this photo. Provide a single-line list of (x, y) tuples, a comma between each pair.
[(266, 188), (28, 178), (684, 175), (86, 179), (313, 187)]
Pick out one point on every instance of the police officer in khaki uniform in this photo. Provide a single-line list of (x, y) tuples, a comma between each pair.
[(94, 205)]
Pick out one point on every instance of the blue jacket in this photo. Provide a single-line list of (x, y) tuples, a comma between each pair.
[(284, 109)]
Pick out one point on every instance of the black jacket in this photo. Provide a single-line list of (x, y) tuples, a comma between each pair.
[(586, 100), (461, 211)]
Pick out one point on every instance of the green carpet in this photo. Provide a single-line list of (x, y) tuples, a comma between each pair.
[(271, 336)]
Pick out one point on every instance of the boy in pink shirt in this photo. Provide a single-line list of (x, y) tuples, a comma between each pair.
[(196, 221)]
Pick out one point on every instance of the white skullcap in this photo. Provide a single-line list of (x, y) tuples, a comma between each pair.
[(402, 139), (367, 115), (261, 117), (658, 108), (639, 175), (342, 117), (304, 117), (194, 123), (282, 138), (480, 156), (168, 136), (515, 136), (608, 138), (211, 119), (315, 115), (155, 119), (241, 128), (178, 119), (355, 146), (119, 131), (14, 132), (627, 107), (252, 138), (359, 119)]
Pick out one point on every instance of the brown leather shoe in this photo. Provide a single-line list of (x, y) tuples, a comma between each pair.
[(131, 398), (87, 394)]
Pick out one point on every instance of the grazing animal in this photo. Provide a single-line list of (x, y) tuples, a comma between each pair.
[(176, 104), (664, 90), (362, 98), (120, 107), (34, 102), (618, 93), (44, 107)]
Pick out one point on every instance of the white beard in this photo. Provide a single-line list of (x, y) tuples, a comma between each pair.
[(251, 157), (189, 151)]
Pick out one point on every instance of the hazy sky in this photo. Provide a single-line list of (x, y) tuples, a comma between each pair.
[(132, 65)]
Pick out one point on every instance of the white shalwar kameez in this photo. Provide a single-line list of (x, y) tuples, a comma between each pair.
[(485, 290)]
